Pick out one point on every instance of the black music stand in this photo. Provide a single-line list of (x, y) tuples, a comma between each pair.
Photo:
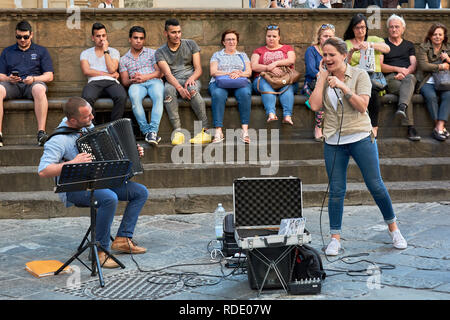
[(91, 176)]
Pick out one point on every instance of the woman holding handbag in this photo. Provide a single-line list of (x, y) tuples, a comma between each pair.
[(273, 57), (230, 70), (344, 92), (359, 43), (432, 58)]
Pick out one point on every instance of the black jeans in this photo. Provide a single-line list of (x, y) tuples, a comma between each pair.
[(106, 88), (374, 106)]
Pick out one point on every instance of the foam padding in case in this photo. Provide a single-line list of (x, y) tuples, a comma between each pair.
[(263, 202)]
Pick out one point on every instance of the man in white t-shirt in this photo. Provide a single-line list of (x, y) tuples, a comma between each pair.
[(99, 64)]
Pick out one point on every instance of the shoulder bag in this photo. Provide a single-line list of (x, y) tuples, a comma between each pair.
[(289, 76), (225, 82), (442, 80)]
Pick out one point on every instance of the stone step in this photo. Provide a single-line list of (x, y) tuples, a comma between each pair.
[(19, 126), (170, 175), (295, 149), (46, 204)]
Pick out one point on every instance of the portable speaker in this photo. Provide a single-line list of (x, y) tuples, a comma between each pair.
[(257, 269)]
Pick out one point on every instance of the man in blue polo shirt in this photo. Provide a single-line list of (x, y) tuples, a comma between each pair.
[(25, 67)]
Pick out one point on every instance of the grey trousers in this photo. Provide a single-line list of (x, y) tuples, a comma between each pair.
[(171, 104), (405, 91)]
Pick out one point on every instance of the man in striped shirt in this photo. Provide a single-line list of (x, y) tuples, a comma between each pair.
[(139, 71)]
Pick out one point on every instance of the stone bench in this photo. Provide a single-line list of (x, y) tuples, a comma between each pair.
[(20, 123)]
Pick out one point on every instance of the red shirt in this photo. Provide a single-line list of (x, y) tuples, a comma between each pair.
[(267, 56)]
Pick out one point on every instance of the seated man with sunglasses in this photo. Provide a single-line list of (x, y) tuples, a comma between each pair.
[(25, 67)]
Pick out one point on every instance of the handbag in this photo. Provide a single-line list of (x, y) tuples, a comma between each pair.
[(225, 82), (442, 80), (289, 76), (378, 80)]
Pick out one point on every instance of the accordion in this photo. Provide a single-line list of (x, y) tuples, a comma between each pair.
[(112, 141)]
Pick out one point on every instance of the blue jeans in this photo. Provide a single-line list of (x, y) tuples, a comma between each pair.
[(154, 88), (365, 154), (269, 100), (136, 194), (432, 4), (431, 96), (219, 97)]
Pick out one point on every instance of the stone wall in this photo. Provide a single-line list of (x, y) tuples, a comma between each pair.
[(298, 28), (138, 3)]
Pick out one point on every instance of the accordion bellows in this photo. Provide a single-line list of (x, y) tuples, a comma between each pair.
[(112, 141)]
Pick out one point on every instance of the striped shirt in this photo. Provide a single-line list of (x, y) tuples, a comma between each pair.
[(144, 64)]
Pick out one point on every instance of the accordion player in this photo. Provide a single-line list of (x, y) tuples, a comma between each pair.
[(112, 141)]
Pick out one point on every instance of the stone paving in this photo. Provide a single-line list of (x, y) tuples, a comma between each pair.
[(422, 271)]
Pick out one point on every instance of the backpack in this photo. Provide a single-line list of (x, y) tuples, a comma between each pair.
[(307, 264)]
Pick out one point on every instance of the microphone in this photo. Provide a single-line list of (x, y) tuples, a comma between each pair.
[(335, 91)]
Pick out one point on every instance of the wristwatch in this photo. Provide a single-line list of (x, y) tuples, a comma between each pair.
[(348, 95), (106, 52)]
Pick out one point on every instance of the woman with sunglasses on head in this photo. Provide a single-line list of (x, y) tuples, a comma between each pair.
[(344, 92), (313, 56), (357, 39), (234, 64), (271, 57), (433, 56)]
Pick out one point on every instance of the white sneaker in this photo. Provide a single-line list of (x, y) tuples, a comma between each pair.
[(333, 247), (397, 239)]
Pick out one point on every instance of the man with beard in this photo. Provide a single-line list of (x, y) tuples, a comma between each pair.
[(179, 61), (61, 149)]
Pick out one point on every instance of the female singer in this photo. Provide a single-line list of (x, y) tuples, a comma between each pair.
[(344, 92)]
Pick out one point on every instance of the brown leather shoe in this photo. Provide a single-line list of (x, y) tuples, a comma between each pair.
[(109, 263), (126, 245)]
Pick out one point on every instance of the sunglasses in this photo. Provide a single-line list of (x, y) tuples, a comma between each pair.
[(272, 27), (26, 37), (327, 26)]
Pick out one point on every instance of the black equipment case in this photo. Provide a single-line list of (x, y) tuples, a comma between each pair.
[(259, 206)]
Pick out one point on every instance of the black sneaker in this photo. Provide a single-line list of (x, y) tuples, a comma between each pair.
[(1, 140), (401, 111), (42, 137), (152, 138), (412, 134)]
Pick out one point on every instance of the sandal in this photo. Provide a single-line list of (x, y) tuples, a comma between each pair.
[(218, 138), (245, 138), (288, 120), (316, 136), (272, 117)]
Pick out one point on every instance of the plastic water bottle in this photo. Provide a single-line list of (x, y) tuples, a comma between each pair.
[(219, 215)]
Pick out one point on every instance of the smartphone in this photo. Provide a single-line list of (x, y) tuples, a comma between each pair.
[(15, 73)]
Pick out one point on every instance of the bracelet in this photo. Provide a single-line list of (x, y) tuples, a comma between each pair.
[(33, 79)]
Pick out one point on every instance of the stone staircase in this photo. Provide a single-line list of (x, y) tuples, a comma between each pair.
[(412, 171)]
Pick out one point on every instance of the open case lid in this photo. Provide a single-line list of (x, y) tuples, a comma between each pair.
[(265, 201)]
